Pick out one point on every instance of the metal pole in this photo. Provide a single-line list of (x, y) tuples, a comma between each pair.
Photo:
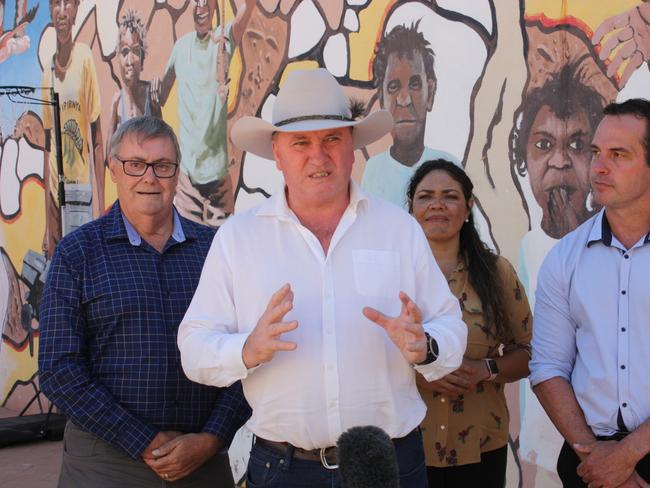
[(59, 156)]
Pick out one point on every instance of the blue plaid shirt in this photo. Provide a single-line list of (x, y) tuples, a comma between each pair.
[(108, 322)]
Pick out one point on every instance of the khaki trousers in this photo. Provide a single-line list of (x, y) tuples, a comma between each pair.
[(90, 462)]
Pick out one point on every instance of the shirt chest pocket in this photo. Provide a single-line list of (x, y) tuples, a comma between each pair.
[(376, 273)]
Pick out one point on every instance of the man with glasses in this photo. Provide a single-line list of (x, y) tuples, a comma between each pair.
[(117, 289)]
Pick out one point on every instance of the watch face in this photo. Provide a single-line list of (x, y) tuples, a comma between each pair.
[(492, 364)]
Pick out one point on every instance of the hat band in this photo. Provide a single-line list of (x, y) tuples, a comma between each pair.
[(313, 117)]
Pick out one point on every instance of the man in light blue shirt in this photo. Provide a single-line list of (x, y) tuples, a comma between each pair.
[(406, 82), (591, 334)]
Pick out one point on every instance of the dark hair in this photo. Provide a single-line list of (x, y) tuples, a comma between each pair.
[(640, 108), (144, 127), (402, 41), (131, 22), (566, 96), (481, 261)]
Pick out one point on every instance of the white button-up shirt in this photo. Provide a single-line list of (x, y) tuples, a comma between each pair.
[(592, 324), (345, 371)]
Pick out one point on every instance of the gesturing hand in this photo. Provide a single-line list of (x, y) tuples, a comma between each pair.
[(264, 341), (405, 330), (630, 33)]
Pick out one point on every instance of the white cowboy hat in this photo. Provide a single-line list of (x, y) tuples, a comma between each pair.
[(309, 100)]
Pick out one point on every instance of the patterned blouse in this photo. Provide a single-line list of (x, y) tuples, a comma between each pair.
[(457, 430)]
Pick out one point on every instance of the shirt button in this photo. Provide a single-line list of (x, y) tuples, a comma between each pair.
[(623, 329), (624, 404), (442, 400), (442, 427), (623, 292), (626, 256), (622, 366)]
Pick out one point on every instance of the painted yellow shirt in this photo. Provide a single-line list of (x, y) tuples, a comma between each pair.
[(79, 106), (457, 430)]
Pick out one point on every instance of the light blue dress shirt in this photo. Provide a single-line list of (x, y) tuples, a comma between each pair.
[(592, 324)]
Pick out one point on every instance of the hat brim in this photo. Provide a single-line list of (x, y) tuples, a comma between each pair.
[(253, 134)]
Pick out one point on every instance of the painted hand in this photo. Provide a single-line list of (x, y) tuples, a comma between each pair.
[(629, 35)]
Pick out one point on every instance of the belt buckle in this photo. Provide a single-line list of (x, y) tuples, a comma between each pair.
[(323, 459)]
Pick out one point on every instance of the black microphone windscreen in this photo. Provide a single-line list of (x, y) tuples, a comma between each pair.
[(367, 459)]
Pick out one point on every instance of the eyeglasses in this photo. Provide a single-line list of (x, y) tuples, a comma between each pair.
[(135, 167)]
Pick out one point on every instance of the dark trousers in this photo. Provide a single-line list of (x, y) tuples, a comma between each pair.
[(568, 461), (489, 473), (270, 469), (90, 462)]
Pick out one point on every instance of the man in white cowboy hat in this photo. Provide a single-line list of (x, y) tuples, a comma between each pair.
[(284, 301)]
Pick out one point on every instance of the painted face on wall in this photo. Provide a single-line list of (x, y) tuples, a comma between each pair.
[(557, 156), (203, 14), (130, 57), (63, 13), (408, 95)]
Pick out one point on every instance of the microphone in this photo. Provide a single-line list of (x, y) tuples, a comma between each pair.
[(367, 459)]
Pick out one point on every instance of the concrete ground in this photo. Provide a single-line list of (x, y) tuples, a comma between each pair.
[(31, 464)]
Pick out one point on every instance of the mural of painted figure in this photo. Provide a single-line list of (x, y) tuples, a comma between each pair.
[(135, 97), (403, 70), (625, 38), (553, 148), (15, 41), (566, 92), (71, 72), (205, 192)]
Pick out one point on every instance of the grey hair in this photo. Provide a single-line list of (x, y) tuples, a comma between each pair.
[(144, 128)]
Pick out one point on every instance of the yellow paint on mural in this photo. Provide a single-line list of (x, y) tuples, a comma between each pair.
[(584, 10), (234, 73), (362, 43), (170, 109), (26, 231), (297, 65), (110, 191)]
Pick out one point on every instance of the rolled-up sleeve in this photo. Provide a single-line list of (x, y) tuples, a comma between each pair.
[(554, 331)]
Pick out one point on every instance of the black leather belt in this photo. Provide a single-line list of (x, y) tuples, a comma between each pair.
[(327, 456)]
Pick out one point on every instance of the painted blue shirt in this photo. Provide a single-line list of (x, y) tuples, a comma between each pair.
[(387, 178)]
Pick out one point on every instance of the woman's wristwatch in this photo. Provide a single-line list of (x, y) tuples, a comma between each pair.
[(492, 367)]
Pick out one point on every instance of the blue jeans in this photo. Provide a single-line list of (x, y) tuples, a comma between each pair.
[(268, 468)]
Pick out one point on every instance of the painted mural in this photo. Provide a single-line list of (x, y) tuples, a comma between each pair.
[(510, 89)]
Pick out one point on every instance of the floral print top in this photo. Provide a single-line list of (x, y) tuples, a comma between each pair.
[(457, 429)]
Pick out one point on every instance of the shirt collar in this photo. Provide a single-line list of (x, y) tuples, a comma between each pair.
[(117, 230), (602, 232), (277, 205)]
